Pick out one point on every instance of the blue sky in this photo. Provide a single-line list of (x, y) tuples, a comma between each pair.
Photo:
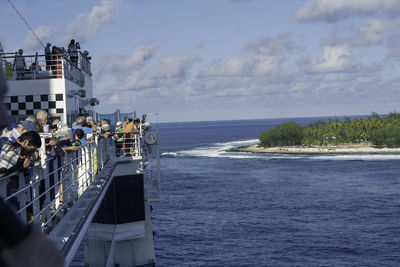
[(226, 59)]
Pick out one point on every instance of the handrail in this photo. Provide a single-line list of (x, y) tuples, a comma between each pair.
[(45, 192), (42, 194), (51, 66)]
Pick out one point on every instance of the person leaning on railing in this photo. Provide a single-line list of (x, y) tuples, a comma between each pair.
[(91, 124), (17, 156), (87, 129), (75, 143), (119, 138), (103, 129), (20, 128), (131, 131)]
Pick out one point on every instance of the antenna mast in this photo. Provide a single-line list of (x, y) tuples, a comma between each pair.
[(26, 23), (1, 50), (1, 53)]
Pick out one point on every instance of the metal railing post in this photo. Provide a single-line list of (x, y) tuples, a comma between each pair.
[(74, 157), (35, 195), (3, 187), (22, 195)]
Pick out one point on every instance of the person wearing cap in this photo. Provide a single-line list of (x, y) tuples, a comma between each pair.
[(119, 138), (22, 127)]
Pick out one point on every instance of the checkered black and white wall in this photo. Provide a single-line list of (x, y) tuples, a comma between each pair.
[(31, 104)]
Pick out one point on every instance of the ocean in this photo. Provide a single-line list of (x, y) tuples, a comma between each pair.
[(240, 209)]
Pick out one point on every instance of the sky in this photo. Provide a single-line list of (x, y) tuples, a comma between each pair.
[(197, 60)]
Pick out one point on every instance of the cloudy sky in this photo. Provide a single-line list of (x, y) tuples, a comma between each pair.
[(226, 59)]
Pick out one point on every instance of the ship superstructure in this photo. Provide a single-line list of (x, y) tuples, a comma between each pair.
[(49, 82)]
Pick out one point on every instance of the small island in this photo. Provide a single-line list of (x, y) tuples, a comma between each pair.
[(373, 135)]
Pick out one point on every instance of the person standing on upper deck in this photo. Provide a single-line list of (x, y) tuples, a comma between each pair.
[(47, 53), (73, 51), (20, 64)]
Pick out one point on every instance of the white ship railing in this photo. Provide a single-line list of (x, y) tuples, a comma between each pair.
[(137, 148), (46, 190), (53, 67)]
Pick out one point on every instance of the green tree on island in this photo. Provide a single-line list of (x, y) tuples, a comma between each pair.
[(377, 130)]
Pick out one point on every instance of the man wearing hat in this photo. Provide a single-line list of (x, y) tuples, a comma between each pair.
[(22, 127)]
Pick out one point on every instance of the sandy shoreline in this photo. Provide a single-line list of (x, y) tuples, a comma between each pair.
[(339, 149)]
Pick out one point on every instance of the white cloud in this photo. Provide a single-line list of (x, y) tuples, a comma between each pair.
[(273, 46), (262, 56), (238, 66), (173, 67), (334, 59), (335, 10), (88, 25), (262, 74), (393, 44), (268, 64), (45, 33), (120, 99), (139, 57), (166, 77), (372, 32)]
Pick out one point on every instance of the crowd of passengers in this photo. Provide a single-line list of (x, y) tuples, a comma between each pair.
[(52, 55), (20, 142)]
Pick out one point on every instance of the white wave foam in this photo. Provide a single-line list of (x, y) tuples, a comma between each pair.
[(366, 157), (221, 150), (217, 150), (173, 154), (336, 157)]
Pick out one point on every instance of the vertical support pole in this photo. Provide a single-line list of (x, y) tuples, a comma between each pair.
[(3, 187), (87, 168), (44, 172), (75, 174), (22, 195), (158, 162), (80, 170), (35, 193), (91, 162), (57, 184)]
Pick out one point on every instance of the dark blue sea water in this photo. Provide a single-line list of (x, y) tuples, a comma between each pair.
[(241, 209)]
